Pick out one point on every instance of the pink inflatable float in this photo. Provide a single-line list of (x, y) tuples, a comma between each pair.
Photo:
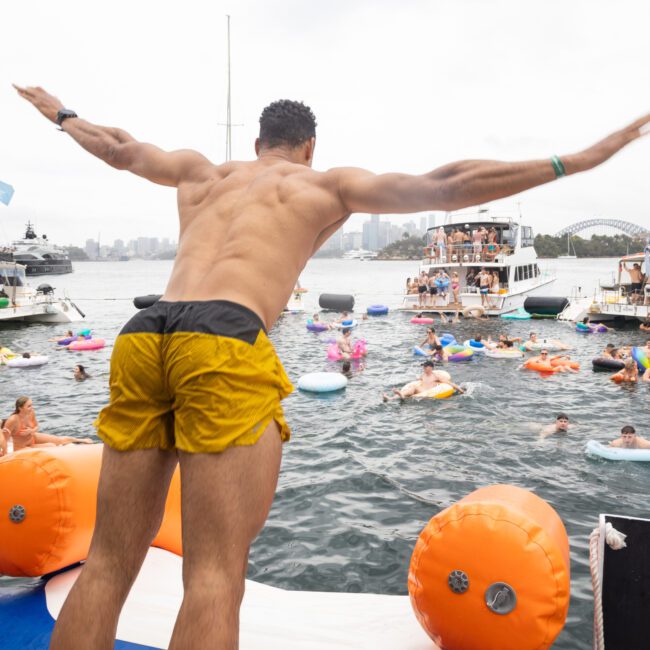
[(87, 344), (358, 350)]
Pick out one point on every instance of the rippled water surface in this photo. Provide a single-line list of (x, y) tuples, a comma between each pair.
[(360, 478)]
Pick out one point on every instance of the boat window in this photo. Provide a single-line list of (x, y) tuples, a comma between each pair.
[(517, 274), (527, 238), (526, 271), (537, 271), (25, 256)]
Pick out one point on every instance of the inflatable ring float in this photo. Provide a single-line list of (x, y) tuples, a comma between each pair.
[(359, 350), (86, 344), (595, 448), (317, 327), (640, 355), (421, 320), (377, 310), (508, 353), (607, 364), (460, 353), (440, 391), (477, 346), (540, 366), (322, 382), (23, 362)]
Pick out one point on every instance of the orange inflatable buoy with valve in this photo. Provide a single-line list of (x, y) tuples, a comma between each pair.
[(492, 572), (48, 504)]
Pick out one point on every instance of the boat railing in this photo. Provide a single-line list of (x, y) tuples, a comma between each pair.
[(467, 252)]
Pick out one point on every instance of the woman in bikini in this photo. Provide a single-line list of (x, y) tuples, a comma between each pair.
[(23, 428)]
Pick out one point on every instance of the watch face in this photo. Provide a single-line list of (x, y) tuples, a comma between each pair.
[(63, 115)]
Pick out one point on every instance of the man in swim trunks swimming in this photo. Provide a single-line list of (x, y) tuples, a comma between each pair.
[(629, 439), (428, 380), (195, 380), (561, 426)]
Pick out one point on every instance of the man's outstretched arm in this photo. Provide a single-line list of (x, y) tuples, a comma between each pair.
[(119, 149), (471, 182)]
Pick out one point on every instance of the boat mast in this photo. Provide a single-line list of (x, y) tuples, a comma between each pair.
[(228, 115)]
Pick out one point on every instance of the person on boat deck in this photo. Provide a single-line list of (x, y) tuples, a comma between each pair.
[(289, 211), (23, 428), (441, 283), (428, 380), (423, 289), (477, 243), (485, 280), (636, 281), (455, 287), (441, 243), (80, 373), (628, 374), (431, 339), (630, 440), (561, 425)]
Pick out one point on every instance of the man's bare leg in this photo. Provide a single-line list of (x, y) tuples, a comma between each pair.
[(226, 498), (130, 504)]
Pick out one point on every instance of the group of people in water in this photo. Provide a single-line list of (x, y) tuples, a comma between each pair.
[(628, 439)]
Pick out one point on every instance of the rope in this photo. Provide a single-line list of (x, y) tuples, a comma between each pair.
[(616, 541)]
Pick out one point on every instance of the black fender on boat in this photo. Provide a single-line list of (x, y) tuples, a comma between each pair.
[(142, 302), (545, 306), (336, 301)]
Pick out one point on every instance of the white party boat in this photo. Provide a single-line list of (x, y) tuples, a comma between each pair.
[(510, 253), (21, 302)]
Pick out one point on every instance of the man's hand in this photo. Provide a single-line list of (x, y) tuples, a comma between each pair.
[(45, 103)]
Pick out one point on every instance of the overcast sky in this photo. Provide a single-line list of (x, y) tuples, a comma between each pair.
[(404, 85)]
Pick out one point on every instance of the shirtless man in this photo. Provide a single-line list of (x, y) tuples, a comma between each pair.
[(217, 411), (429, 379), (561, 426), (477, 243), (485, 280), (344, 343), (636, 280), (533, 343), (629, 439)]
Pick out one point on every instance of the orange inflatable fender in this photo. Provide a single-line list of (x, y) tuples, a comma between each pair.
[(540, 366), (492, 572), (48, 504), (563, 361)]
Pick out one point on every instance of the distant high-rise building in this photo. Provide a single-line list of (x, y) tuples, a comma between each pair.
[(118, 247), (334, 243), (91, 248), (371, 233)]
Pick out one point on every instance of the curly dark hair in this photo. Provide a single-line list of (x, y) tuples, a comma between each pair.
[(286, 122)]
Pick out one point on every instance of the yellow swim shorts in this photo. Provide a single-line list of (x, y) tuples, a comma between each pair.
[(199, 376)]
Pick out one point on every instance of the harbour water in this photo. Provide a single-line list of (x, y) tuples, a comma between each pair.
[(360, 478)]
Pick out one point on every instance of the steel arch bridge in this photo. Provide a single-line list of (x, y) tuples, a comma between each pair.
[(628, 228)]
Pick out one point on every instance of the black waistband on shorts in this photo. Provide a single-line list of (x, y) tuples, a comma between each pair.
[(219, 317)]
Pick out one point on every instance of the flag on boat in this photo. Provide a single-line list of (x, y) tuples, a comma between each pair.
[(6, 192)]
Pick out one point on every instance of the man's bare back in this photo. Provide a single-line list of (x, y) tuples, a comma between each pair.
[(248, 229)]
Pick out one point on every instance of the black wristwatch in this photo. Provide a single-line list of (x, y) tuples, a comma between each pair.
[(63, 115)]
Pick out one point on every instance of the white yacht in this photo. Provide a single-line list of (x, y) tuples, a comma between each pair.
[(39, 255), (360, 254), (615, 301), (20, 302), (511, 254)]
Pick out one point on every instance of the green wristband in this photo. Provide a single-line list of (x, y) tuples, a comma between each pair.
[(558, 167)]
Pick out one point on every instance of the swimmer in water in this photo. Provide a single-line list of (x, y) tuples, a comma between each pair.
[(628, 374), (560, 426), (629, 440), (428, 380)]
